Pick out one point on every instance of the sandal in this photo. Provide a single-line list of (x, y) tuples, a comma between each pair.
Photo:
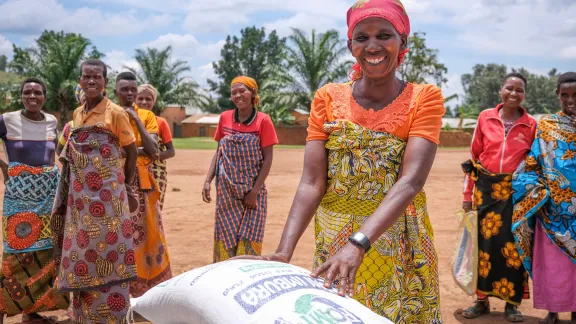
[(513, 314), (550, 318), (480, 307)]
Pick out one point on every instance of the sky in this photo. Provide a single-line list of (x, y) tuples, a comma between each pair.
[(535, 34)]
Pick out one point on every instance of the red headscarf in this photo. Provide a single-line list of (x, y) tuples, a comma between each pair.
[(391, 10)]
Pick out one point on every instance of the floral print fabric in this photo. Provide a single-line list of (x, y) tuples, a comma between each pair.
[(93, 236), (398, 278), (500, 271), (27, 207), (545, 189)]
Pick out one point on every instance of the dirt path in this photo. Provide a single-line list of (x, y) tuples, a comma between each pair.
[(190, 222)]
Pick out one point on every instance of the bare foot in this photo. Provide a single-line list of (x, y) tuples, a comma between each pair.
[(551, 318)]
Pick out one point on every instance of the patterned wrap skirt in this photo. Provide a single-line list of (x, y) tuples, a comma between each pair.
[(28, 267), (161, 174), (152, 259), (500, 270), (93, 234), (238, 230), (398, 278)]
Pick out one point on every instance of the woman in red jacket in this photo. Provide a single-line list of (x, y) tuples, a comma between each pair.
[(502, 140)]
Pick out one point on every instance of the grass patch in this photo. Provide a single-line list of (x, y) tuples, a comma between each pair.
[(207, 143), (195, 143)]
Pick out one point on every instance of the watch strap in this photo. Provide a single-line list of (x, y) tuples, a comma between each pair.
[(360, 240)]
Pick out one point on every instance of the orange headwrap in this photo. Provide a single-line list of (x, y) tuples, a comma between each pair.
[(391, 10), (252, 85)]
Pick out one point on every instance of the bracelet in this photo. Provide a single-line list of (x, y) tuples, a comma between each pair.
[(360, 240)]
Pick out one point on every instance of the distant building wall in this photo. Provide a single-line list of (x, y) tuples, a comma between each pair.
[(198, 130), (174, 116), (455, 139)]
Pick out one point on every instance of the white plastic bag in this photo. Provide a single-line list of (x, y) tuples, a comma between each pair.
[(464, 265), (249, 291)]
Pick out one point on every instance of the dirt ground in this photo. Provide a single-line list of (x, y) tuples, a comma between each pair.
[(189, 221)]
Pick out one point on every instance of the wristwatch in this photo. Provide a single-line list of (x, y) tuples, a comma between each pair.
[(360, 240)]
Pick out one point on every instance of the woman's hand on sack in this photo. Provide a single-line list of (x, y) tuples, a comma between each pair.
[(467, 206), (278, 257), (206, 192), (250, 199), (343, 267)]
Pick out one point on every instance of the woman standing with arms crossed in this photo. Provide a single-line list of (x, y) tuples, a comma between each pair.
[(371, 144), (246, 138), (502, 139), (31, 179)]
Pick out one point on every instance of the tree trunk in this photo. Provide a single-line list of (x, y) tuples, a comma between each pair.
[(63, 110)]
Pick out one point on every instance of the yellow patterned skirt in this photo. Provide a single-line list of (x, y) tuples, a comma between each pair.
[(398, 278), (244, 247)]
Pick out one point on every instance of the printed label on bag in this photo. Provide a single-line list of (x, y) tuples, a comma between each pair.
[(311, 309)]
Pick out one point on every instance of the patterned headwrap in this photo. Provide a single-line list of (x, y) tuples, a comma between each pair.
[(252, 85), (79, 93), (150, 89), (391, 10)]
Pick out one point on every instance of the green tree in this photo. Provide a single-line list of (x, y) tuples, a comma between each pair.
[(313, 61), (253, 54), (482, 86), (421, 63), (449, 112), (10, 97), (3, 63), (56, 60), (166, 75), (464, 112), (541, 92)]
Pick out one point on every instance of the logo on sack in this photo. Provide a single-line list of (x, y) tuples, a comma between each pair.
[(266, 290), (311, 309)]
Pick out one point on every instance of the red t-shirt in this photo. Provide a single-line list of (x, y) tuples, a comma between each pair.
[(164, 130), (259, 124)]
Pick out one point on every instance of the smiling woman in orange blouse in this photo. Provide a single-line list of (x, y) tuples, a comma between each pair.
[(371, 144)]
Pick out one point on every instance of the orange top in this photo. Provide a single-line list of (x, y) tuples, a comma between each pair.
[(416, 112), (109, 115), (164, 128), (148, 118)]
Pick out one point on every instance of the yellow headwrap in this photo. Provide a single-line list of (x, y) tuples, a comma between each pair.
[(150, 89), (252, 85)]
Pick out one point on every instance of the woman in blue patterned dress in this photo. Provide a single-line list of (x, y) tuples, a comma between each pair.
[(31, 178)]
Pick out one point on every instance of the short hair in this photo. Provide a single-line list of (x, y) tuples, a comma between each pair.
[(95, 62), (129, 76), (515, 75), (568, 77), (33, 80)]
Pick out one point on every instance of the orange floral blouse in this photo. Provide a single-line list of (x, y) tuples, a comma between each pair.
[(416, 112)]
